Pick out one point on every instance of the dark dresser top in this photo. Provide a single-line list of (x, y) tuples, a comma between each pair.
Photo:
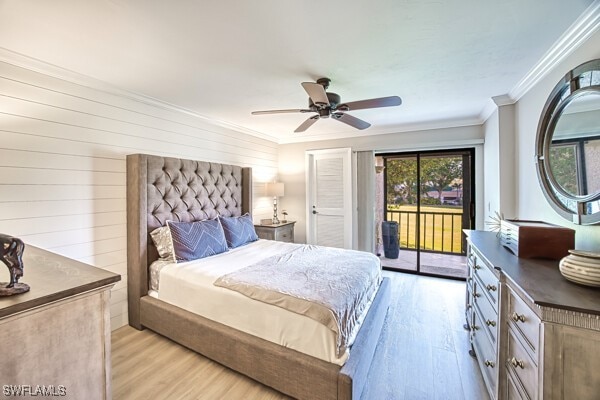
[(541, 280), (52, 277)]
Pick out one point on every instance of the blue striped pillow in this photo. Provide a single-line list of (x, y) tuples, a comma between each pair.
[(199, 239), (238, 230)]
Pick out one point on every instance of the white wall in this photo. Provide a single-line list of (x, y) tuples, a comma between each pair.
[(508, 162), (500, 163), (292, 161), (491, 165), (62, 165), (531, 203)]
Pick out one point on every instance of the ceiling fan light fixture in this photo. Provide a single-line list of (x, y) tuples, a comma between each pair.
[(326, 104), (324, 112)]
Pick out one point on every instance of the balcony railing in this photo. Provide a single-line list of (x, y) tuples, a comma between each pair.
[(441, 232)]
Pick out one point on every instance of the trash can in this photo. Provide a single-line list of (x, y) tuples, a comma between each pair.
[(389, 232)]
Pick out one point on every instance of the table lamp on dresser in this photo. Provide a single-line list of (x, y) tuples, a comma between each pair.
[(275, 190)]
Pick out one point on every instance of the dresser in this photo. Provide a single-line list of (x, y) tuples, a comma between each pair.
[(56, 337), (535, 335), (283, 232), (482, 314)]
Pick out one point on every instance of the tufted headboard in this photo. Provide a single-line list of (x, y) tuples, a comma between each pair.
[(161, 189)]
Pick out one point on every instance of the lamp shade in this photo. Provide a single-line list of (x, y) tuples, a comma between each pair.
[(274, 189)]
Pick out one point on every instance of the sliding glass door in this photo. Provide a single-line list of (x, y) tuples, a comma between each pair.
[(428, 200)]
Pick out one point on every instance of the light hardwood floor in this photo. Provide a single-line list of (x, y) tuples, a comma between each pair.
[(422, 354)]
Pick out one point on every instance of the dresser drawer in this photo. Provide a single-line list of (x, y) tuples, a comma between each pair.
[(489, 282), (486, 355), (469, 301), (513, 387), (525, 322), (520, 364), (489, 316), (285, 234)]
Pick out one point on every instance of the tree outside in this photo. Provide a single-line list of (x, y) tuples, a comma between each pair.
[(563, 163), (441, 221), (439, 174), (402, 181)]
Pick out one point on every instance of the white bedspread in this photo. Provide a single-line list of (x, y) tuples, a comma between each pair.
[(190, 286), (332, 286)]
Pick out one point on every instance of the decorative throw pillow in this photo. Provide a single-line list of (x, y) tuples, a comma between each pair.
[(163, 242), (238, 230), (199, 239)]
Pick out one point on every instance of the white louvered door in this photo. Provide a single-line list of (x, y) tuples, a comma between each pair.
[(329, 198)]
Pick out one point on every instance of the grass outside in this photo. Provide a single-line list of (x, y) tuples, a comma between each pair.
[(440, 227)]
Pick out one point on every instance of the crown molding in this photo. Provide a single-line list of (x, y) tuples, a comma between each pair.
[(502, 100), (54, 71), (587, 23)]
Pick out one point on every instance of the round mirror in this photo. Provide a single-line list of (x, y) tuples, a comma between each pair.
[(568, 145)]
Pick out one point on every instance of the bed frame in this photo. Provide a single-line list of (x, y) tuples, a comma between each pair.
[(161, 189)]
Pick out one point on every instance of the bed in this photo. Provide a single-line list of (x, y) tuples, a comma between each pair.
[(161, 189)]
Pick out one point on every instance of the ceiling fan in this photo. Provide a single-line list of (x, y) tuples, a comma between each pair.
[(327, 104)]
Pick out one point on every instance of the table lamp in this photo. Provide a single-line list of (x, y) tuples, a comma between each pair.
[(274, 189)]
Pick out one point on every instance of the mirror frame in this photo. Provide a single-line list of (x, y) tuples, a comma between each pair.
[(567, 90)]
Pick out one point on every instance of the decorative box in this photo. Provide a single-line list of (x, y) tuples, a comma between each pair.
[(536, 239)]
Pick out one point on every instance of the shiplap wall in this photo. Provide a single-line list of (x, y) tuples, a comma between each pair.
[(62, 164)]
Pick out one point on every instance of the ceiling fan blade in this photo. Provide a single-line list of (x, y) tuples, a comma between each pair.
[(295, 110), (307, 124), (350, 120), (316, 92), (371, 103)]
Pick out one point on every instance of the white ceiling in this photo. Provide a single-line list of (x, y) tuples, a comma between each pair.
[(224, 59)]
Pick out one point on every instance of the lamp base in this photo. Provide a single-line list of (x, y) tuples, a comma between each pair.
[(275, 219)]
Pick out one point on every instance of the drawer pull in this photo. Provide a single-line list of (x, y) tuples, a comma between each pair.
[(489, 363), (284, 235), (517, 363), (490, 322), (474, 328), (476, 294), (517, 317), (491, 288), (476, 266)]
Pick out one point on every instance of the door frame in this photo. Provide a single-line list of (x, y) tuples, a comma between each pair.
[(472, 202), (346, 153)]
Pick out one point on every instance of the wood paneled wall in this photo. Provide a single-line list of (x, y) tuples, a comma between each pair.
[(62, 164)]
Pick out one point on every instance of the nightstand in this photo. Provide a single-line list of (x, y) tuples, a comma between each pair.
[(283, 232)]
